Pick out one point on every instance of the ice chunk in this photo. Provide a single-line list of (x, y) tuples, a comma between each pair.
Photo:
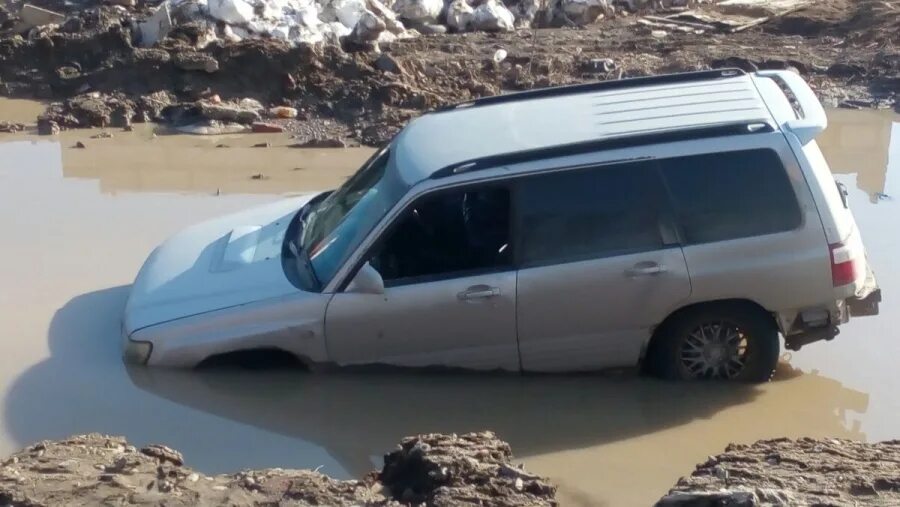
[(156, 27), (459, 15), (492, 16), (234, 12), (421, 11), (583, 12), (348, 12)]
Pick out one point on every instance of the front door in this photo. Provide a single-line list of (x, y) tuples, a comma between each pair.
[(601, 266), (450, 289)]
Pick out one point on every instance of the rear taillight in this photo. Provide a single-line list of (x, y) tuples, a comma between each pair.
[(844, 266)]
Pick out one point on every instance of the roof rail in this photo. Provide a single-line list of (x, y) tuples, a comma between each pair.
[(610, 143), (612, 84)]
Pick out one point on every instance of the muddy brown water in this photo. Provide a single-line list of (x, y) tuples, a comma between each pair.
[(77, 223)]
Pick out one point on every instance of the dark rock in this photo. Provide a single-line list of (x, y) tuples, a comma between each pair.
[(845, 70), (91, 110), (151, 56), (471, 469), (190, 60), (163, 454), (80, 145), (227, 112), (263, 127), (262, 145), (599, 65), (315, 142), (388, 63), (47, 127), (67, 72)]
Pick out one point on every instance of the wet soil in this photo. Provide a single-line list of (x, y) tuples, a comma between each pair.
[(782, 471), (78, 223), (427, 470), (846, 49)]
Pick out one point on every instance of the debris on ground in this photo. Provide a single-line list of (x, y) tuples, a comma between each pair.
[(358, 70), (782, 471), (728, 16), (431, 470)]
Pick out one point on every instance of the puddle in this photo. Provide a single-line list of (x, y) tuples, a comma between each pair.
[(20, 110), (78, 223)]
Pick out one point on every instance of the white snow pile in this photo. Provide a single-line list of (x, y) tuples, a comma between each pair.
[(295, 21), (364, 21)]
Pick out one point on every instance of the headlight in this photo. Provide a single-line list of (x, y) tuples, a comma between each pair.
[(137, 352)]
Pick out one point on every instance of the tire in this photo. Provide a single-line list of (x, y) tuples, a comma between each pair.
[(731, 342)]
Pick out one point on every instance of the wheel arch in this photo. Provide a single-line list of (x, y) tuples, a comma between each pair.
[(660, 330), (255, 357)]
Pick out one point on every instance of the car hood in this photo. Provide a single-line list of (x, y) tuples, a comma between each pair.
[(221, 263)]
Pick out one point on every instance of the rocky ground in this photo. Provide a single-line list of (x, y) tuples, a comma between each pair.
[(783, 472), (433, 470), (94, 73)]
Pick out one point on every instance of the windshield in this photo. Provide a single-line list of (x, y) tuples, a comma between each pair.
[(336, 227)]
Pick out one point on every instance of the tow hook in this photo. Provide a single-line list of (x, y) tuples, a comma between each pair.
[(796, 341)]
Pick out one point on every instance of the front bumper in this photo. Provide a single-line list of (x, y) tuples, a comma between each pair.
[(135, 351)]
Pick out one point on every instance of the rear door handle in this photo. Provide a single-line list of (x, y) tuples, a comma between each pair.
[(478, 292), (645, 269)]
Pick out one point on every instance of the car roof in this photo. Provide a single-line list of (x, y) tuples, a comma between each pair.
[(569, 115)]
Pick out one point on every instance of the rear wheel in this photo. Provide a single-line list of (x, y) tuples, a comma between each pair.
[(718, 342)]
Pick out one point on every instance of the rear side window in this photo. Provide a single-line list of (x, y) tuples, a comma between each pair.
[(731, 195), (589, 213)]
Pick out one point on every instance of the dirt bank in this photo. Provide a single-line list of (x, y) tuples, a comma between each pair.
[(91, 67), (438, 470), (807, 471)]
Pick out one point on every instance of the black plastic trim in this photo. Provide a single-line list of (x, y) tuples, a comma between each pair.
[(618, 142)]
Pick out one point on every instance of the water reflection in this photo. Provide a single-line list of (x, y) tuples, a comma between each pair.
[(858, 142)]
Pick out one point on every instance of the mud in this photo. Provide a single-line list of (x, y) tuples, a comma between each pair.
[(794, 472), (433, 470), (95, 75)]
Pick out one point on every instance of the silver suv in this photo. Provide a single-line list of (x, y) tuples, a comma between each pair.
[(677, 222)]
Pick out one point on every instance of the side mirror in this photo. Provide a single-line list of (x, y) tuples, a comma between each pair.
[(367, 281)]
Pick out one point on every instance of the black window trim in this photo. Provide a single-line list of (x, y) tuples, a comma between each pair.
[(396, 219)]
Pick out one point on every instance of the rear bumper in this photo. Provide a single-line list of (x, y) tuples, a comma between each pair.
[(864, 306), (865, 302)]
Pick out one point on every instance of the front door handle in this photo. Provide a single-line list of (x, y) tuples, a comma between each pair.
[(645, 269), (478, 292)]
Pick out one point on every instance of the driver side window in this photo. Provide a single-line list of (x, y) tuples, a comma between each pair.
[(447, 234)]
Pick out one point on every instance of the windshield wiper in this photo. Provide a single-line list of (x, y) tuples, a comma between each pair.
[(302, 254)]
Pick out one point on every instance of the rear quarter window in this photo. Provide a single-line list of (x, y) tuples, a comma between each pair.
[(739, 194)]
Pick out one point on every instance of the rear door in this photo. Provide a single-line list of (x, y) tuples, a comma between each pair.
[(750, 227), (600, 265)]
